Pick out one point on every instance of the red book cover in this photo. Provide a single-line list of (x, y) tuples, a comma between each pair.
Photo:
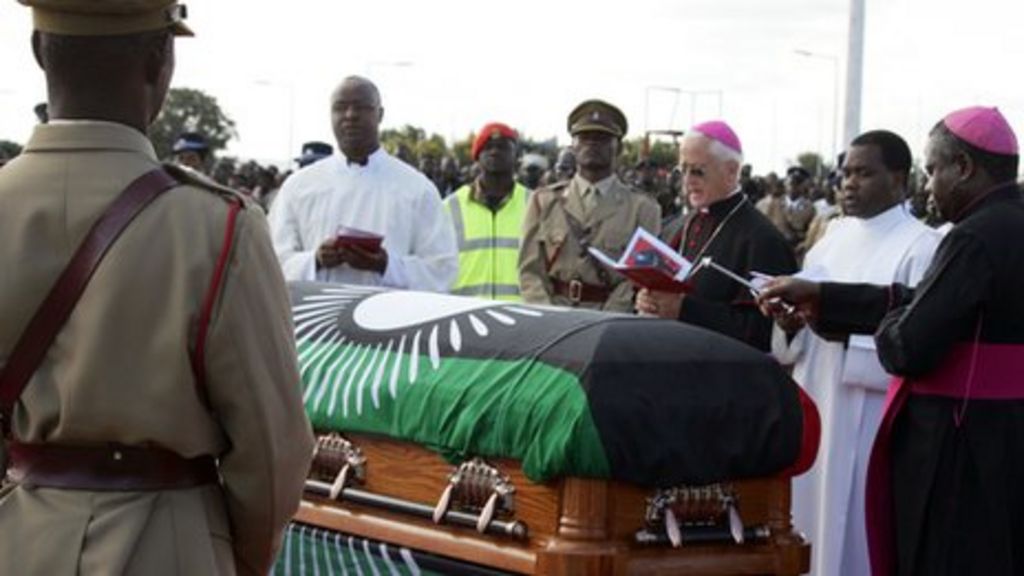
[(348, 236)]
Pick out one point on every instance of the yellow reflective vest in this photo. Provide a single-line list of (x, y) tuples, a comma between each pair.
[(488, 244)]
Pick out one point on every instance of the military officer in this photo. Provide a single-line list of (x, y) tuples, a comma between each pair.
[(593, 208), (162, 431), (192, 151)]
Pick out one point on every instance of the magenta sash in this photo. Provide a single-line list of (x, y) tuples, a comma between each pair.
[(971, 371)]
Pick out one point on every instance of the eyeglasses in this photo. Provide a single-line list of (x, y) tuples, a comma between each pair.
[(694, 171)]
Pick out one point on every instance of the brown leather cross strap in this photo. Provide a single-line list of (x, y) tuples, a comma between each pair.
[(583, 237), (51, 315)]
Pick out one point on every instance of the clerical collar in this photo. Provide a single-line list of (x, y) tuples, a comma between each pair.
[(885, 218), (352, 163), (722, 207)]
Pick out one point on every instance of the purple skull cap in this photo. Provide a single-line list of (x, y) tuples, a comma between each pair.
[(983, 128), (720, 132)]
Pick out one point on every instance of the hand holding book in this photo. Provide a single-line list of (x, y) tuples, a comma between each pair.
[(348, 236), (650, 263)]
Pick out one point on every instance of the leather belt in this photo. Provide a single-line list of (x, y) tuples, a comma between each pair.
[(577, 291), (111, 467)]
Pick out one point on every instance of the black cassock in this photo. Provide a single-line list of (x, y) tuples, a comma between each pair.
[(737, 236), (956, 448)]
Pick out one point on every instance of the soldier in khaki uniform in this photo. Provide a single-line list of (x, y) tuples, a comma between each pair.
[(791, 212), (116, 390), (594, 208)]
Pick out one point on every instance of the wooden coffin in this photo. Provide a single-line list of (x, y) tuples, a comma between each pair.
[(566, 526), (586, 443)]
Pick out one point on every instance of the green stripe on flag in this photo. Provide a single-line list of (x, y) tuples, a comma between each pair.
[(521, 409)]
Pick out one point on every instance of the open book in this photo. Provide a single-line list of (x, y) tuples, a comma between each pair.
[(649, 263)]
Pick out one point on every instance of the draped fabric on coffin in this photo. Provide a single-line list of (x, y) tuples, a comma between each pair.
[(566, 392), (308, 550)]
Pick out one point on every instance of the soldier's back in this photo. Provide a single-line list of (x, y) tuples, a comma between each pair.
[(120, 369), (133, 319)]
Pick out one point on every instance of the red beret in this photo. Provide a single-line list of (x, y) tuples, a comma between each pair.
[(492, 130)]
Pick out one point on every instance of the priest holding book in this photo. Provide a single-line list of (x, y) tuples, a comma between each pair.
[(363, 216), (727, 229), (945, 475)]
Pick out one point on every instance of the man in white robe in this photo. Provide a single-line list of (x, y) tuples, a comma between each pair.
[(363, 187), (879, 242)]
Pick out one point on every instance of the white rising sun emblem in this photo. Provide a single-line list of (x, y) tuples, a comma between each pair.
[(419, 315)]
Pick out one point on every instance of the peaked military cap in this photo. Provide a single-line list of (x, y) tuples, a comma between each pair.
[(107, 17), (313, 151), (190, 142), (798, 171), (597, 115)]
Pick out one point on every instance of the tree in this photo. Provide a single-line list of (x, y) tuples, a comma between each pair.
[(405, 138), (662, 153), (9, 149), (461, 149), (547, 148), (415, 142), (434, 147), (813, 163), (190, 110)]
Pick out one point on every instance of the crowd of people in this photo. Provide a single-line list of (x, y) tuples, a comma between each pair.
[(840, 257), (865, 223), (525, 235)]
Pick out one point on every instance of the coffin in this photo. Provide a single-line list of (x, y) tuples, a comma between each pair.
[(461, 436)]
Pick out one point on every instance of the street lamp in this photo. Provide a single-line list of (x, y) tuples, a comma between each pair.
[(834, 60), (854, 70)]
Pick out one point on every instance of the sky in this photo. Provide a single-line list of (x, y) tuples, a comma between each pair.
[(450, 66)]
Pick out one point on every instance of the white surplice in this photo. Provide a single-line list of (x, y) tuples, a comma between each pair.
[(848, 383), (386, 196)]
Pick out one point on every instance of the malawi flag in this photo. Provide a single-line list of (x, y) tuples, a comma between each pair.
[(565, 392)]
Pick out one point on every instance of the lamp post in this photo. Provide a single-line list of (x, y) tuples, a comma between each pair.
[(854, 70), (834, 61)]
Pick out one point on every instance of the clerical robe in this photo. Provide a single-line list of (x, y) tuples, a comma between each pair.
[(946, 477), (387, 197), (735, 235), (848, 383)]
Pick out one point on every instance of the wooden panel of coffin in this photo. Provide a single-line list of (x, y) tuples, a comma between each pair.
[(571, 526)]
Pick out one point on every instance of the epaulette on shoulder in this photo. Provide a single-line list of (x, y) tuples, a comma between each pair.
[(548, 195), (190, 177), (556, 189)]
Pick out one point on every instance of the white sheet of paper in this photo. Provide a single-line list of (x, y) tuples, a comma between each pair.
[(663, 249)]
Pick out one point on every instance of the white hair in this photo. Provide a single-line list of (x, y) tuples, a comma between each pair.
[(717, 149)]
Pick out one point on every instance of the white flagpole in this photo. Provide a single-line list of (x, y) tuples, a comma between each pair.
[(854, 72)]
